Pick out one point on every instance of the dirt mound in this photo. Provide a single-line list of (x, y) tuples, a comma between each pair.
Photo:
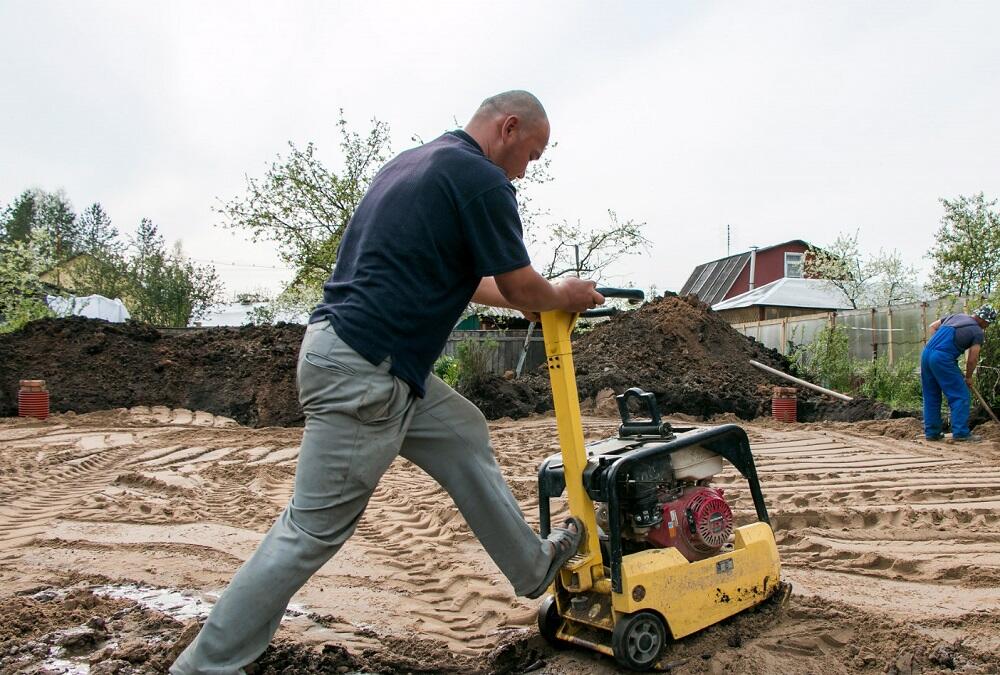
[(245, 373), (675, 347), (497, 397)]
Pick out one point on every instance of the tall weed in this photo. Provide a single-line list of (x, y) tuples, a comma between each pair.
[(827, 361), (475, 358)]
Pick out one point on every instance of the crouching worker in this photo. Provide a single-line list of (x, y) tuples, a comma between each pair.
[(939, 371), (437, 228)]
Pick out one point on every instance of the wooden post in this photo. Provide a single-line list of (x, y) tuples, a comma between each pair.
[(784, 335), (874, 337), (889, 317), (923, 323)]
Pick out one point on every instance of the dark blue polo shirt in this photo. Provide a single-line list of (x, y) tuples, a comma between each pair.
[(435, 221)]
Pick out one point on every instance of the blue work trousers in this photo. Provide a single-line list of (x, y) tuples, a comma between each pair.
[(939, 374)]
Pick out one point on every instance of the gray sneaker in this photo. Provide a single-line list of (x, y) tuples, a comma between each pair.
[(971, 438)]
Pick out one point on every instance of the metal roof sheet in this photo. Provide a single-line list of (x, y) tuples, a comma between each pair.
[(712, 280), (790, 292)]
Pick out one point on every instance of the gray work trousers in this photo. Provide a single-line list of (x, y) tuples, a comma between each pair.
[(358, 419)]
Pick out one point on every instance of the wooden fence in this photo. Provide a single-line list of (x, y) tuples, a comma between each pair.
[(510, 343)]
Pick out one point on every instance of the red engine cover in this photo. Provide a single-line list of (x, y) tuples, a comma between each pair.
[(697, 524)]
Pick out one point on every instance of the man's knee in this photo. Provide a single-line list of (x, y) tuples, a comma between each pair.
[(327, 527)]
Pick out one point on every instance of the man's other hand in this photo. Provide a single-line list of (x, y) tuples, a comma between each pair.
[(579, 295)]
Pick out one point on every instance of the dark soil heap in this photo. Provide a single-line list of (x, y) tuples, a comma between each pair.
[(677, 348), (246, 373)]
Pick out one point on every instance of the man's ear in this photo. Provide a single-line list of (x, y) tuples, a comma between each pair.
[(509, 125)]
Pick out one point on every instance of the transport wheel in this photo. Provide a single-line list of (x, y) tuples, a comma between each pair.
[(549, 620), (638, 639)]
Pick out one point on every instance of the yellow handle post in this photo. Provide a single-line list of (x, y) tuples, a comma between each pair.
[(588, 565)]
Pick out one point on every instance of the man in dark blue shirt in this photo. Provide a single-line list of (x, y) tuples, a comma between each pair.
[(939, 372), (437, 228)]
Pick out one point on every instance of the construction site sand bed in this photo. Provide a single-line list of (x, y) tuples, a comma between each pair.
[(118, 529)]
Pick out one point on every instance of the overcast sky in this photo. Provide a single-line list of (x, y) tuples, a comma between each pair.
[(784, 120)]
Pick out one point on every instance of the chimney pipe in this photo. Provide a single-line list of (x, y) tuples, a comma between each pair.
[(753, 266)]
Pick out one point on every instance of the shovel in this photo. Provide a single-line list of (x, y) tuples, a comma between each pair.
[(983, 401)]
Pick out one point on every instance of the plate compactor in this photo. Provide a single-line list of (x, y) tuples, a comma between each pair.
[(660, 558)]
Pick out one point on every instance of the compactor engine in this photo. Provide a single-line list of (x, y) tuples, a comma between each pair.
[(682, 511)]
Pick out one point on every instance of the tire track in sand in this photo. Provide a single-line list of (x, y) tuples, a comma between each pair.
[(894, 510), (50, 490)]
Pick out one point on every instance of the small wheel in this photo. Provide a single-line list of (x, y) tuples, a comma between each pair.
[(638, 639), (549, 620)]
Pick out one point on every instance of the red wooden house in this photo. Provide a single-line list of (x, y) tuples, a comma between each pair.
[(724, 278)]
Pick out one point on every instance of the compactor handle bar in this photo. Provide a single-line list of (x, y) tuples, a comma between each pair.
[(633, 295)]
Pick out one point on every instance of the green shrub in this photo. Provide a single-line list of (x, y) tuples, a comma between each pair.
[(19, 311), (897, 384), (827, 359), (446, 367), (988, 371), (475, 358)]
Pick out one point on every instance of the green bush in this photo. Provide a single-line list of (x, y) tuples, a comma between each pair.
[(827, 359), (897, 384), (988, 371), (446, 367), (475, 358), (21, 290)]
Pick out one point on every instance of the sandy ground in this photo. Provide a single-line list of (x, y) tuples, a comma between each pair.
[(123, 526)]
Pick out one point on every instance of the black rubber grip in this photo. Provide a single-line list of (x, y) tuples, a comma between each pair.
[(594, 313), (633, 294)]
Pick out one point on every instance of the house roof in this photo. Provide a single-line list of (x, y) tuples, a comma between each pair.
[(790, 292), (712, 280)]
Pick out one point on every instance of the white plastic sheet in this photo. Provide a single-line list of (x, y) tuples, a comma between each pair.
[(91, 306)]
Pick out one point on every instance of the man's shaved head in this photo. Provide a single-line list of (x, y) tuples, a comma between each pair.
[(518, 102), (512, 130)]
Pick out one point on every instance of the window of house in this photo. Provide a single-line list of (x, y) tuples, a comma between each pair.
[(793, 265)]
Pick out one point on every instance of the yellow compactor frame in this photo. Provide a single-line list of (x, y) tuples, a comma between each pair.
[(656, 584)]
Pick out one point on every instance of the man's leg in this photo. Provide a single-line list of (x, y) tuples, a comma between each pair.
[(956, 391), (356, 415), (448, 438), (931, 391)]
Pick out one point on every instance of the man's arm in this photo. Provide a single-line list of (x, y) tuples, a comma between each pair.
[(526, 290), (970, 363)]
